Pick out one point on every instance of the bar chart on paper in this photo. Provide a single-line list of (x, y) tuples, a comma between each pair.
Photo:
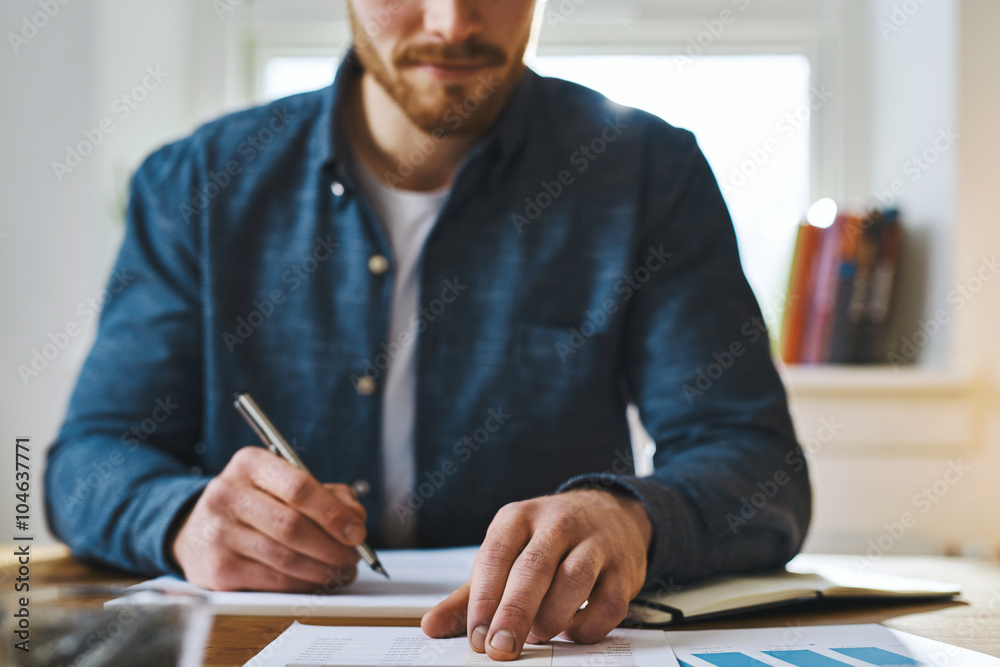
[(817, 646), (810, 658)]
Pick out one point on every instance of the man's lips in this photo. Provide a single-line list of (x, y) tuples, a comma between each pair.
[(452, 70)]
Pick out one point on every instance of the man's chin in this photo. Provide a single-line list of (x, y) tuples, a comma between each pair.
[(454, 112), (451, 120)]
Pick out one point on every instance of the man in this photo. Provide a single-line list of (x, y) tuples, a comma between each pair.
[(444, 278)]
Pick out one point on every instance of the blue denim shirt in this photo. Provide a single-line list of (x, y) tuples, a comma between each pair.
[(583, 260)]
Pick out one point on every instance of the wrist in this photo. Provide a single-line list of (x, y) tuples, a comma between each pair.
[(173, 537), (631, 506), (637, 512)]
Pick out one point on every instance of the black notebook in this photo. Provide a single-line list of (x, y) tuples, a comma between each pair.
[(805, 578)]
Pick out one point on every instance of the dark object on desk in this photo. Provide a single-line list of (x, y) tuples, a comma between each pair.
[(730, 594)]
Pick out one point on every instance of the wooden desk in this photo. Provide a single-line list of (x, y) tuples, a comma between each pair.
[(973, 623)]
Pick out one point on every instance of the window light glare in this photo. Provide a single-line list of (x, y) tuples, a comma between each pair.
[(822, 213)]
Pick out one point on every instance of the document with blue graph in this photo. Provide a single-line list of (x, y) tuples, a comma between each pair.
[(818, 646)]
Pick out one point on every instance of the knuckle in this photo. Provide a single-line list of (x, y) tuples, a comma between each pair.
[(286, 525), (216, 492), (284, 559), (333, 514), (245, 456), (611, 608), (282, 582), (518, 610), (297, 488), (569, 521), (483, 606), (535, 560), (546, 627), (496, 554), (336, 487), (510, 512), (581, 572)]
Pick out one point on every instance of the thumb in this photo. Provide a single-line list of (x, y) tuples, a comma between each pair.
[(448, 617)]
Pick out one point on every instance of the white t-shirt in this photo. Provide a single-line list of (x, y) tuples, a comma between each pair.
[(407, 218)]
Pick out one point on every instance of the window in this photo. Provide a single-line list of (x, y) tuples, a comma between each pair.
[(287, 75)]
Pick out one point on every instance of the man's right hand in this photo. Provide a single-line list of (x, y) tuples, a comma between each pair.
[(263, 524)]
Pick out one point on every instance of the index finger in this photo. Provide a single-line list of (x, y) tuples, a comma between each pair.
[(512, 574), (339, 516)]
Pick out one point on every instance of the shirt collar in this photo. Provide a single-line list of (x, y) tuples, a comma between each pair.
[(332, 132), (511, 128), (505, 137)]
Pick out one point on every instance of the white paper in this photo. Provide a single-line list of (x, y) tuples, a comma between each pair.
[(836, 570), (310, 645), (815, 646), (420, 579)]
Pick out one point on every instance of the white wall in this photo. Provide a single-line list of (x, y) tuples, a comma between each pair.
[(61, 237), (913, 82), (52, 256)]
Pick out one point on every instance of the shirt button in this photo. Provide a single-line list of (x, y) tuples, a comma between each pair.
[(365, 386), (361, 487), (337, 188), (378, 264)]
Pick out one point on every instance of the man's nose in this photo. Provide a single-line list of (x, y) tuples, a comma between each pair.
[(452, 20)]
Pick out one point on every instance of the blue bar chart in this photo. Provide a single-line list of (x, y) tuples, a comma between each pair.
[(876, 656), (792, 645), (806, 658), (871, 655), (732, 659)]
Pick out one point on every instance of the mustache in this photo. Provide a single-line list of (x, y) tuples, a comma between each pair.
[(442, 53)]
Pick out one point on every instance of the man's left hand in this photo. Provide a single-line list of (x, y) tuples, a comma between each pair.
[(540, 561)]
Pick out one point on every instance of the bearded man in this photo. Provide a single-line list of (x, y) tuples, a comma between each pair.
[(447, 277)]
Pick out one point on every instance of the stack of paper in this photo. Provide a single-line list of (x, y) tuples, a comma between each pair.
[(420, 579)]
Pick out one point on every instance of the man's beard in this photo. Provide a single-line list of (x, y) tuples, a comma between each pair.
[(450, 109)]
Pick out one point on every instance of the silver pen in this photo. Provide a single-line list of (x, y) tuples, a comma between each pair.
[(274, 441)]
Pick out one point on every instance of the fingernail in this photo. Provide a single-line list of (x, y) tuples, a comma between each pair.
[(353, 532), (503, 640), (479, 637)]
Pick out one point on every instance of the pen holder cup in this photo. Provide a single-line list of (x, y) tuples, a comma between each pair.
[(91, 626)]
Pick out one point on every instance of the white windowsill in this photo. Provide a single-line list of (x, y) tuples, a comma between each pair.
[(824, 380), (879, 411)]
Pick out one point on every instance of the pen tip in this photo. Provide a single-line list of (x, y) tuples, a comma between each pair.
[(381, 570)]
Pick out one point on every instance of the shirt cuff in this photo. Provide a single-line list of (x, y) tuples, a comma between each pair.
[(173, 497), (665, 542)]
